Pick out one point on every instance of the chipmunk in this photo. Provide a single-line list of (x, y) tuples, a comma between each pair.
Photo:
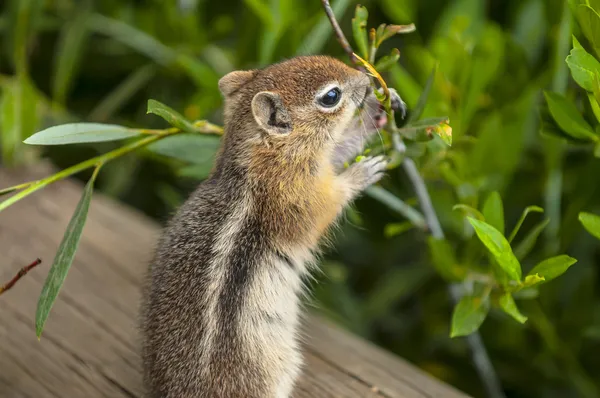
[(222, 299)]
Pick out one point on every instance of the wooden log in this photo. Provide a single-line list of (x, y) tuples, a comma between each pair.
[(90, 344)]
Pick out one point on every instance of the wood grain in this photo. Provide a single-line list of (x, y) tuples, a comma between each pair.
[(90, 346)]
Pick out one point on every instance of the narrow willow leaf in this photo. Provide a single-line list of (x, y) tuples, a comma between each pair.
[(71, 47), (391, 30), (18, 116), (418, 110), (508, 305), (444, 260), (468, 210), (591, 223), (497, 244), (172, 117), (191, 148), (595, 107), (386, 62), (567, 116), (526, 245), (583, 67), (528, 209), (493, 211), (359, 30), (553, 267), (468, 315), (77, 133), (64, 257)]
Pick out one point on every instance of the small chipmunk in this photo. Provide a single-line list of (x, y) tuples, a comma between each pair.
[(221, 303)]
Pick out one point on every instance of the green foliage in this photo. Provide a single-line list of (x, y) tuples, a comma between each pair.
[(64, 257), (497, 73)]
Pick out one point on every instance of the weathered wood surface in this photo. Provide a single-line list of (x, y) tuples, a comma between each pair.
[(90, 346)]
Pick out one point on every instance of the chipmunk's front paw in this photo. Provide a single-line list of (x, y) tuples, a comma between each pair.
[(367, 171)]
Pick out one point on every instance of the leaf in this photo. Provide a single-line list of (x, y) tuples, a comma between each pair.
[(386, 62), (468, 315), (191, 148), (531, 280), (591, 223), (583, 67), (423, 130), (76, 133), (596, 87), (391, 30), (528, 209), (589, 20), (71, 47), (594, 105), (417, 111), (497, 244), (316, 39), (359, 29), (568, 117), (525, 246), (553, 267), (64, 257), (493, 211), (199, 171), (18, 116), (466, 209), (396, 204), (172, 117), (444, 260), (508, 305), (395, 229)]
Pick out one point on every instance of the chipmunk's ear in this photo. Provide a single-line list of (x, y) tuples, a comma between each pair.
[(271, 114), (232, 81)]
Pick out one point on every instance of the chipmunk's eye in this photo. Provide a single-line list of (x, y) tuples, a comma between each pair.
[(331, 98)]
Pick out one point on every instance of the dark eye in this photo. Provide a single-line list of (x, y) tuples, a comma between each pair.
[(331, 98)]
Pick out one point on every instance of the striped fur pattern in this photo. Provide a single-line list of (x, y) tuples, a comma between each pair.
[(221, 302)]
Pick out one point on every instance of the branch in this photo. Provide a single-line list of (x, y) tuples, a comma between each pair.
[(22, 272), (338, 32), (479, 354)]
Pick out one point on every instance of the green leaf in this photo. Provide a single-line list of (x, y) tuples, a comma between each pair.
[(553, 267), (591, 223), (423, 130), (418, 110), (199, 171), (594, 105), (568, 117), (316, 39), (466, 209), (468, 315), (497, 244), (172, 117), (18, 116), (71, 47), (531, 280), (528, 209), (191, 148), (508, 305), (391, 30), (64, 257), (396, 204), (359, 29), (395, 229), (76, 133), (493, 211), (525, 246), (386, 62), (596, 87), (589, 20), (444, 260), (583, 67)]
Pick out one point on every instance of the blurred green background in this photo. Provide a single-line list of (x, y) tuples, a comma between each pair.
[(67, 60)]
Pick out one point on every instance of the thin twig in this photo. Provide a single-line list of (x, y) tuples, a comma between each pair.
[(338, 31), (479, 354), (22, 272)]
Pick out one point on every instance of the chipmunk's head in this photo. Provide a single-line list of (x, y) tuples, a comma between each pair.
[(312, 98)]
